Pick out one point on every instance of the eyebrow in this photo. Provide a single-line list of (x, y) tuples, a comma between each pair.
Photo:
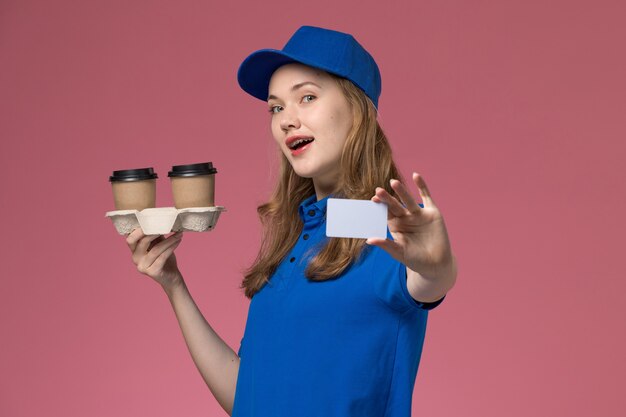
[(295, 87)]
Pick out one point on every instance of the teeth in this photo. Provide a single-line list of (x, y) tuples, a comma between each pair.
[(299, 141)]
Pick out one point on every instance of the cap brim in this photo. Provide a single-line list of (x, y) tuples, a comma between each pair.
[(256, 70)]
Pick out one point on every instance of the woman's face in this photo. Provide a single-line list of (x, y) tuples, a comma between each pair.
[(308, 103)]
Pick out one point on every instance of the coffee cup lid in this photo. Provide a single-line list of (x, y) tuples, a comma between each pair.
[(133, 175), (192, 170)]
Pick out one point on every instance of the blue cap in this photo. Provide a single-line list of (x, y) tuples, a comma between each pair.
[(335, 52)]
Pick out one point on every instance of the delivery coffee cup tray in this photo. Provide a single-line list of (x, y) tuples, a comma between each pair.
[(163, 220), (193, 189)]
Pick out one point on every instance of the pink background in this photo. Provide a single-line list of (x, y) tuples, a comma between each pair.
[(513, 112)]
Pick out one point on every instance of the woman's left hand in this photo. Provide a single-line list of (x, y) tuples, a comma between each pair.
[(420, 236)]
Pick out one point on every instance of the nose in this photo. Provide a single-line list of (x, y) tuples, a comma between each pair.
[(289, 119)]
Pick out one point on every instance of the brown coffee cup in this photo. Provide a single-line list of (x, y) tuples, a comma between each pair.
[(134, 189), (193, 185)]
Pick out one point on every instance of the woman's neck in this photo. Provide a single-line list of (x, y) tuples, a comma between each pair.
[(323, 190)]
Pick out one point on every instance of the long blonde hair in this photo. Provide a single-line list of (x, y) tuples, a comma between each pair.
[(366, 163)]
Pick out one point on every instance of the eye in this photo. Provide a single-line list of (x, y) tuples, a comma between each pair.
[(271, 110), (309, 95)]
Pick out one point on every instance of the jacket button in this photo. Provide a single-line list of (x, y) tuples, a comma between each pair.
[(305, 237), (292, 259), (311, 213)]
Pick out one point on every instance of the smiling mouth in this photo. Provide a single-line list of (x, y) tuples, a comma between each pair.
[(300, 143)]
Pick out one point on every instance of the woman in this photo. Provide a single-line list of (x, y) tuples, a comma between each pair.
[(336, 325)]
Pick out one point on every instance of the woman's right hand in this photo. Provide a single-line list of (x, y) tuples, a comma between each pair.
[(154, 256)]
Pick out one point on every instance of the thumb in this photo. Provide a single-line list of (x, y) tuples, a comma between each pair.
[(393, 248)]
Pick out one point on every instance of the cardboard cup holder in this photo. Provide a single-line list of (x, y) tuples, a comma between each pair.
[(163, 220)]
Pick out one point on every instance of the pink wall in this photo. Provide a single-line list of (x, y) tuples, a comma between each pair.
[(513, 112)]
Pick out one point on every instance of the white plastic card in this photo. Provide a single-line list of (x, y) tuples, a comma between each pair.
[(356, 218)]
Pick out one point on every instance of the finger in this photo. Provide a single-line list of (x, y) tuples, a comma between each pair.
[(376, 199), (164, 256), (423, 190), (133, 237), (406, 197), (390, 215), (160, 238), (143, 247), (393, 205), (144, 244), (388, 245), (147, 260)]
